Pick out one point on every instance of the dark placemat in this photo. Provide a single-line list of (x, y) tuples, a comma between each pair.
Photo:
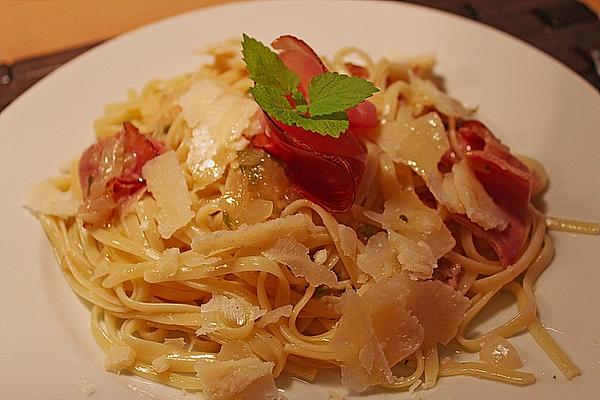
[(565, 29)]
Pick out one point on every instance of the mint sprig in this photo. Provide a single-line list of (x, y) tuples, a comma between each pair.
[(330, 93), (266, 68), (279, 108)]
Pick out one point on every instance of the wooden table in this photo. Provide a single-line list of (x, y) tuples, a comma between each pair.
[(36, 36)]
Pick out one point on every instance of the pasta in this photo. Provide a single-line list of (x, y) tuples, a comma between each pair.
[(216, 274)]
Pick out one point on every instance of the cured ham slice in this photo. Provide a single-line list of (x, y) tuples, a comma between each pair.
[(504, 176), (110, 173), (324, 169), (506, 179)]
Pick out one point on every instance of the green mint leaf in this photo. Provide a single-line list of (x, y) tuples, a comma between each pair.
[(278, 107), (331, 92), (273, 103), (298, 98), (266, 68), (333, 124), (303, 108)]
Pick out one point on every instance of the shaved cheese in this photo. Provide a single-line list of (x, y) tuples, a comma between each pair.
[(218, 116), (406, 215), (234, 351), (199, 96), (223, 313), (424, 93), (439, 308), (273, 316), (440, 242), (119, 358), (398, 331), (388, 322), (46, 198), (175, 342), (379, 259), (348, 240), (320, 256), (290, 252), (161, 364), (415, 257), (336, 396), (222, 380), (166, 182), (418, 143), (356, 347), (479, 206), (499, 352), (261, 235), (167, 266)]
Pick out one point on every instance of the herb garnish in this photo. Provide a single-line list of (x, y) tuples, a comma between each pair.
[(330, 93)]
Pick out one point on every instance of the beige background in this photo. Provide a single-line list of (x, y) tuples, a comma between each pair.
[(34, 27)]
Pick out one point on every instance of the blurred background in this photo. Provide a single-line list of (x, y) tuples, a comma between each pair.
[(37, 36)]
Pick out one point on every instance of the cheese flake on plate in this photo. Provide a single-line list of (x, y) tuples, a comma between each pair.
[(119, 358), (217, 116), (166, 182)]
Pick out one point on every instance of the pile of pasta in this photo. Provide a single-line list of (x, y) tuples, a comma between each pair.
[(219, 276)]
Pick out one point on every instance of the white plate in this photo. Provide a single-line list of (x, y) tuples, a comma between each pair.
[(535, 104)]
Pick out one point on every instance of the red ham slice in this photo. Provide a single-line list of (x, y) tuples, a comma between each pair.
[(507, 243), (110, 173), (357, 70), (506, 179), (300, 58), (324, 169)]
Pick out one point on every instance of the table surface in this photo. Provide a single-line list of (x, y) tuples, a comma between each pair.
[(58, 30)]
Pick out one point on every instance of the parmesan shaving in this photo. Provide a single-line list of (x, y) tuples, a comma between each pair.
[(425, 93), (217, 116), (320, 256), (348, 240), (119, 358), (415, 257), (161, 364), (221, 313), (166, 182), (100, 270), (166, 267), (479, 206), (175, 342), (290, 252), (46, 198), (378, 259), (222, 380), (363, 363)]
